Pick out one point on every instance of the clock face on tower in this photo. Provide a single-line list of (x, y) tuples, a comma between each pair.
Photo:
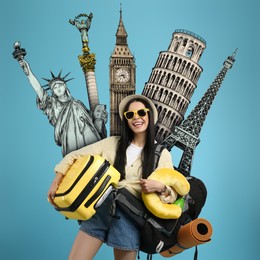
[(122, 75)]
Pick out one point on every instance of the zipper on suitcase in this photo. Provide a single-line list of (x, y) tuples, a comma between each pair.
[(87, 189), (100, 190)]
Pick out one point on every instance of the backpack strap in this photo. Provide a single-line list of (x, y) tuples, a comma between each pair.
[(157, 153), (121, 198), (196, 253)]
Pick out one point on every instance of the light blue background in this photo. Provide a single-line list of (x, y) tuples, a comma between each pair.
[(226, 158)]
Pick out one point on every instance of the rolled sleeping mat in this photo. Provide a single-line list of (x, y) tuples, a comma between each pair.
[(196, 232)]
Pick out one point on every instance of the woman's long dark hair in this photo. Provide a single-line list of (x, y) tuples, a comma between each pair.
[(127, 137)]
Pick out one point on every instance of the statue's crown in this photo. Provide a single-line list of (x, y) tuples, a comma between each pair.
[(56, 78)]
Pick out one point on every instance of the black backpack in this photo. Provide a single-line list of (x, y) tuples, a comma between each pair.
[(158, 235)]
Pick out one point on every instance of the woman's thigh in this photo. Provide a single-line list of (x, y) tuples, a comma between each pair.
[(124, 254), (85, 247)]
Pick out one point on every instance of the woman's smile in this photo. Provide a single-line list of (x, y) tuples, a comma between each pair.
[(138, 123)]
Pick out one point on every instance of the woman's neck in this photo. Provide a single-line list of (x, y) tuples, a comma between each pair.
[(139, 140)]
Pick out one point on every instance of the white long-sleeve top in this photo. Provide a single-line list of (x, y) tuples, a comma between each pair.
[(107, 149)]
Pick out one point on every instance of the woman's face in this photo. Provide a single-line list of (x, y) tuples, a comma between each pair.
[(138, 124), (59, 88)]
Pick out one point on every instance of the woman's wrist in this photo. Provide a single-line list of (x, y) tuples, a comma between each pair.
[(163, 190), (59, 177)]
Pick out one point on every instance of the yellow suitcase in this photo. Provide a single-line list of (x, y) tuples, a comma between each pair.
[(84, 187)]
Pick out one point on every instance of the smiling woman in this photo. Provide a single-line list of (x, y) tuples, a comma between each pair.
[(133, 155)]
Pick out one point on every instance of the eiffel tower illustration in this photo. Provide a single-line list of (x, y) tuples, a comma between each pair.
[(186, 135)]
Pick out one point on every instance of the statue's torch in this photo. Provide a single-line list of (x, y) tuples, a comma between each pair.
[(19, 54)]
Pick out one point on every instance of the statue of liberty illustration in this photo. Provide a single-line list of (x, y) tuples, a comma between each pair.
[(74, 125)]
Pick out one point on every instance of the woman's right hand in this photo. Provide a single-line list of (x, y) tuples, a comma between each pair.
[(53, 188), (149, 186)]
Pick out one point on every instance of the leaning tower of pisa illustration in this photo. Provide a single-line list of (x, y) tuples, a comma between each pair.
[(173, 80)]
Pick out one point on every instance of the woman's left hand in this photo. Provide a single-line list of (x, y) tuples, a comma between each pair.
[(149, 186)]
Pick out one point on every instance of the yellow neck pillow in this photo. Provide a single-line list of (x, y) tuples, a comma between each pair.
[(152, 201)]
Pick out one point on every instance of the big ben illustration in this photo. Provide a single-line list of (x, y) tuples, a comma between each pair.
[(122, 76)]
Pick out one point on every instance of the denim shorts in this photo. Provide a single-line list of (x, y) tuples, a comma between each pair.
[(118, 231)]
